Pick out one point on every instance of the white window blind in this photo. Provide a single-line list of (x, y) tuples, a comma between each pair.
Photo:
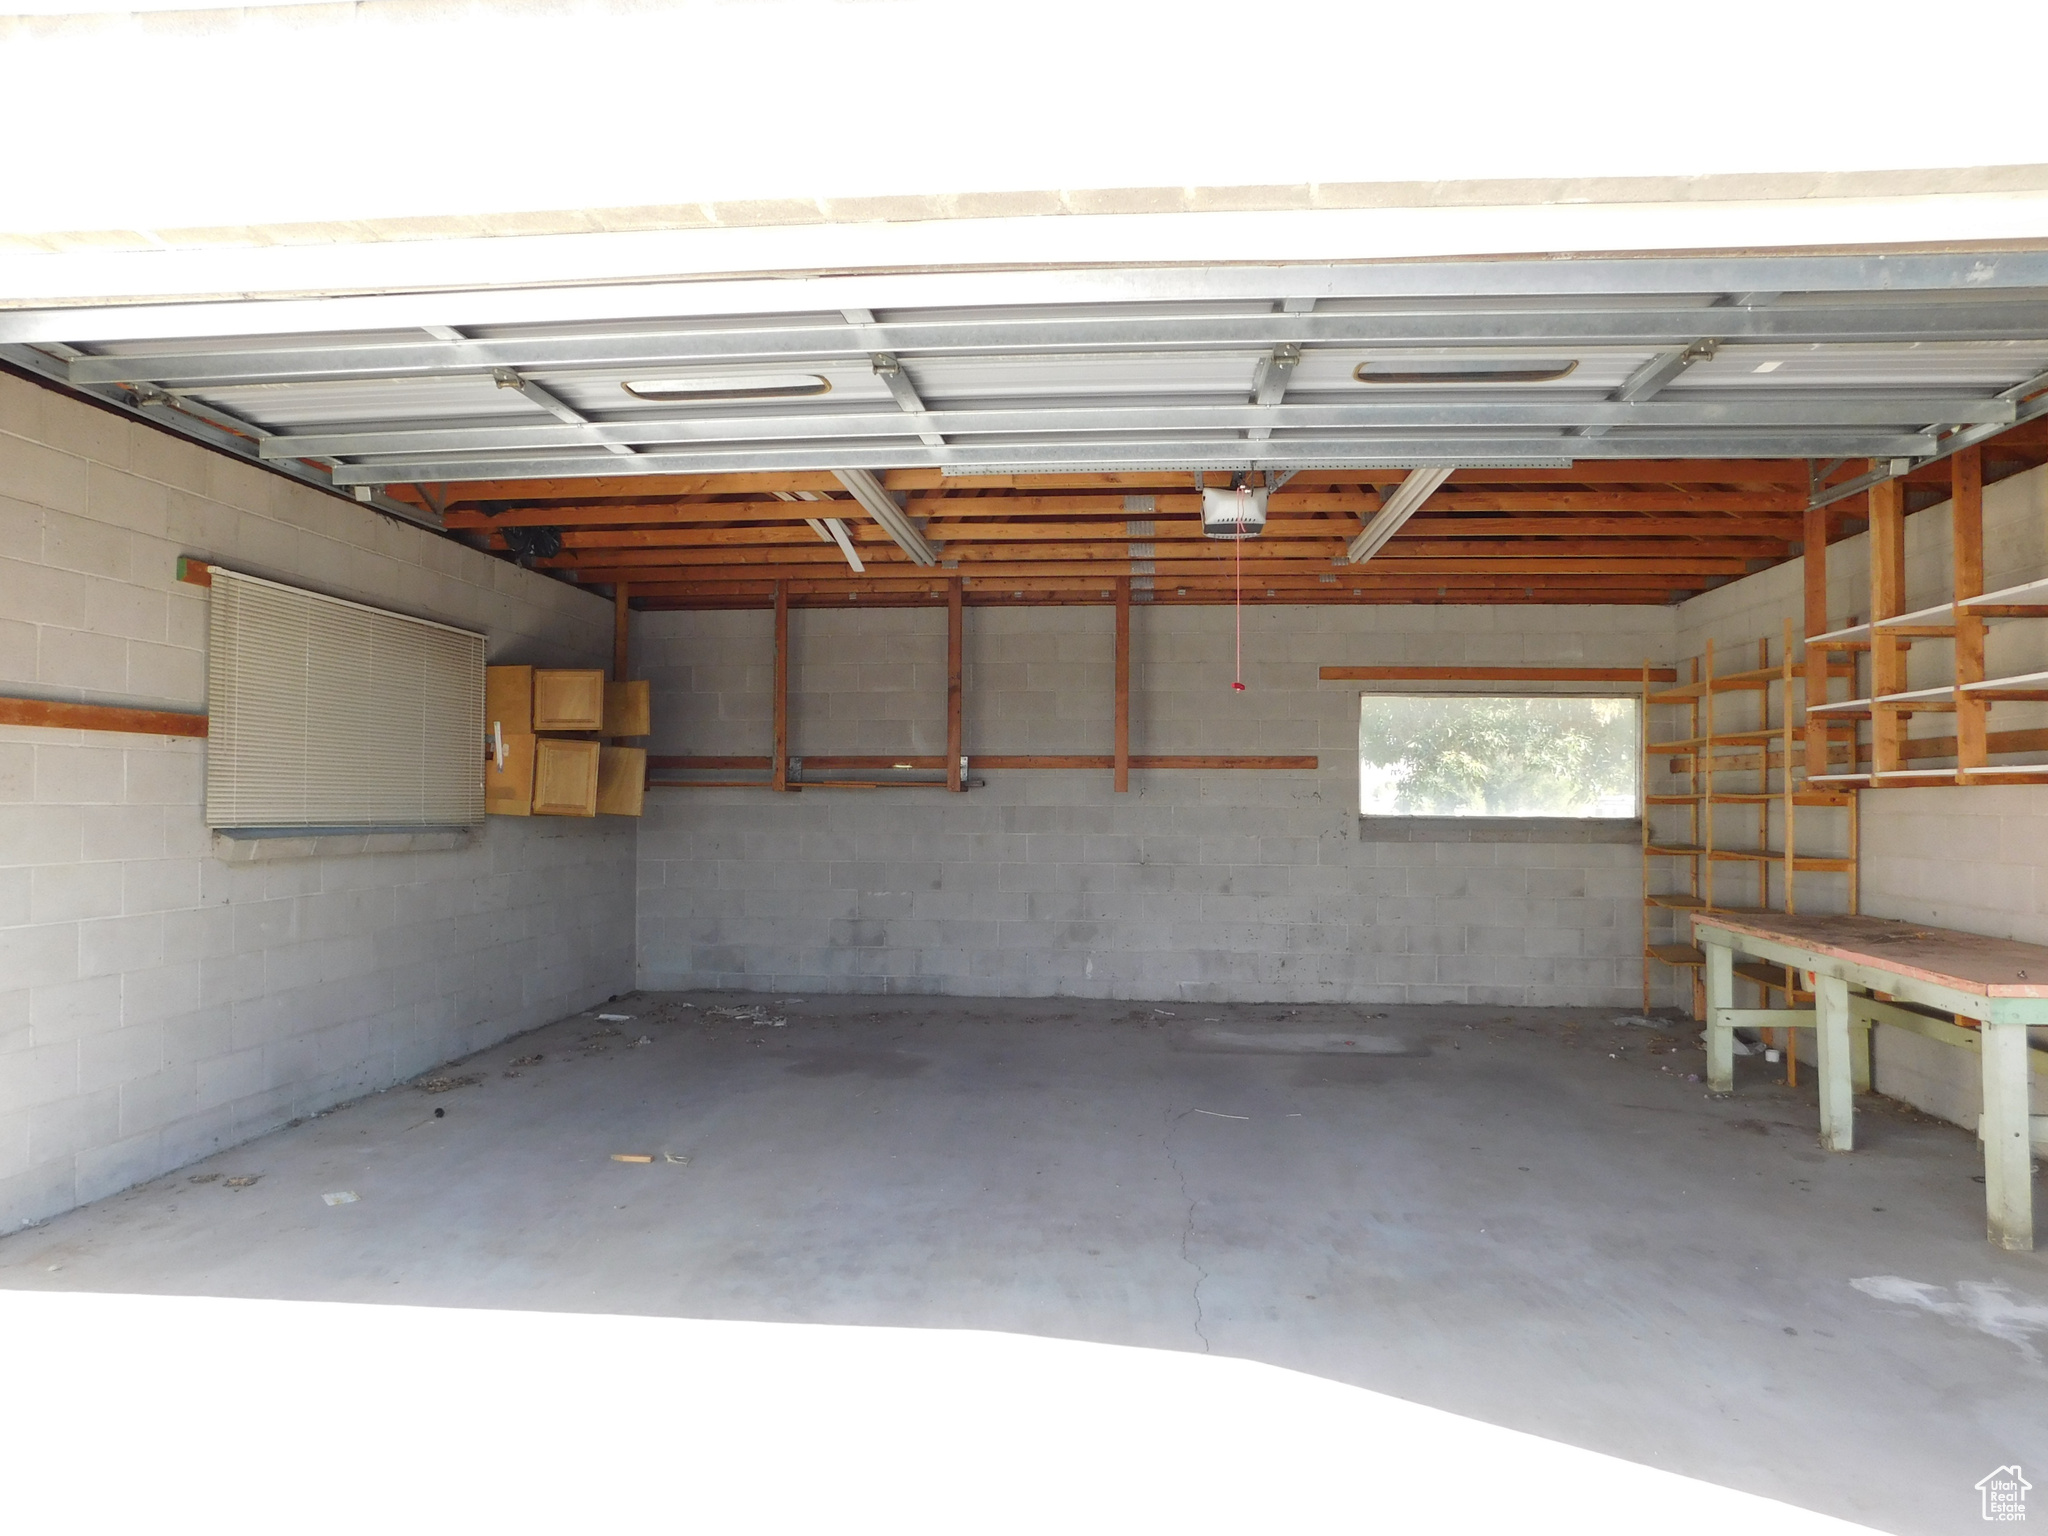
[(325, 713)]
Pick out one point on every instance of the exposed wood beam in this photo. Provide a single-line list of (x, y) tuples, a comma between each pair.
[(1303, 532), (1966, 528), (622, 614), (780, 762), (1123, 685), (956, 637), (1106, 570), (1887, 600), (842, 762), (1815, 561), (1495, 675), (55, 715)]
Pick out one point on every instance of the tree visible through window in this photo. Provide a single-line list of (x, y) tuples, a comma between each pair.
[(1468, 755)]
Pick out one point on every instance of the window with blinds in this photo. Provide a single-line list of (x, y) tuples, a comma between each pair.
[(325, 713)]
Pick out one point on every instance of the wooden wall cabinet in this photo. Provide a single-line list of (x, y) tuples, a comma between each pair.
[(567, 700), (508, 700), (564, 777), (621, 781), (628, 709), (508, 788)]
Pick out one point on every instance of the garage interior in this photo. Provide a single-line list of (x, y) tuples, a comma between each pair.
[(981, 896)]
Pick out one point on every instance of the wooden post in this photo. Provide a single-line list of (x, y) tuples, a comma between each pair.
[(955, 644), (1720, 981), (1887, 601), (621, 631), (1123, 684), (781, 750), (1967, 495), (1643, 826), (1815, 560), (1790, 812), (2008, 1162), (1703, 785), (1835, 1063)]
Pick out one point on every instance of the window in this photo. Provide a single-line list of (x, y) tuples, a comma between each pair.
[(325, 713), (1472, 755)]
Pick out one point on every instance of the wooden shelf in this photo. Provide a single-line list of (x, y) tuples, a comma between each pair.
[(2021, 687), (1736, 772), (1755, 681), (1688, 745), (2026, 594), (1855, 638)]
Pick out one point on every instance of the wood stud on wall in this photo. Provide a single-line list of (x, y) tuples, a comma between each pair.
[(1967, 539), (1119, 762), (956, 639), (1887, 601), (1122, 782)]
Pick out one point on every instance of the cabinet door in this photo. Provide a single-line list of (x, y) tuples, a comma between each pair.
[(565, 700), (621, 781), (508, 700), (564, 777), (628, 711), (508, 788)]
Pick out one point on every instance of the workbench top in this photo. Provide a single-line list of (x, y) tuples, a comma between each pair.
[(1965, 962)]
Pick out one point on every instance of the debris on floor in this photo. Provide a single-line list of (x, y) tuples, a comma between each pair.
[(243, 1181), (447, 1084), (341, 1197), (202, 1178), (643, 1040), (615, 1018), (752, 1013), (632, 1157), (671, 1157)]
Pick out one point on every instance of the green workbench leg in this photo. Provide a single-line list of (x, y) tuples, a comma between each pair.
[(1720, 976), (1836, 1064), (2008, 1160)]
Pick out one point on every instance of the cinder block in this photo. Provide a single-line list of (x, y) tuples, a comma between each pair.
[(75, 1123), (88, 663), (43, 477), (62, 892), (109, 945), (40, 956)]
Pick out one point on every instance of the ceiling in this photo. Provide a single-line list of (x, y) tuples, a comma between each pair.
[(1620, 430)]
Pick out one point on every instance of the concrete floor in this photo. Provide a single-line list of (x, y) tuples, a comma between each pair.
[(1530, 1217)]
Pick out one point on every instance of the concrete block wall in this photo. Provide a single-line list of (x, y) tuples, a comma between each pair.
[(1195, 885), (157, 1003), (1968, 858)]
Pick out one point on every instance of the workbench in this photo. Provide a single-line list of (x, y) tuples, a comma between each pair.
[(2000, 983)]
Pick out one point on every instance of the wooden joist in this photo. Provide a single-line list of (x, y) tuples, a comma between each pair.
[(1496, 675), (100, 717), (906, 762)]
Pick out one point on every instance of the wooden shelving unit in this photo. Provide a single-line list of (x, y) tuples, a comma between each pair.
[(1726, 839), (1874, 654)]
